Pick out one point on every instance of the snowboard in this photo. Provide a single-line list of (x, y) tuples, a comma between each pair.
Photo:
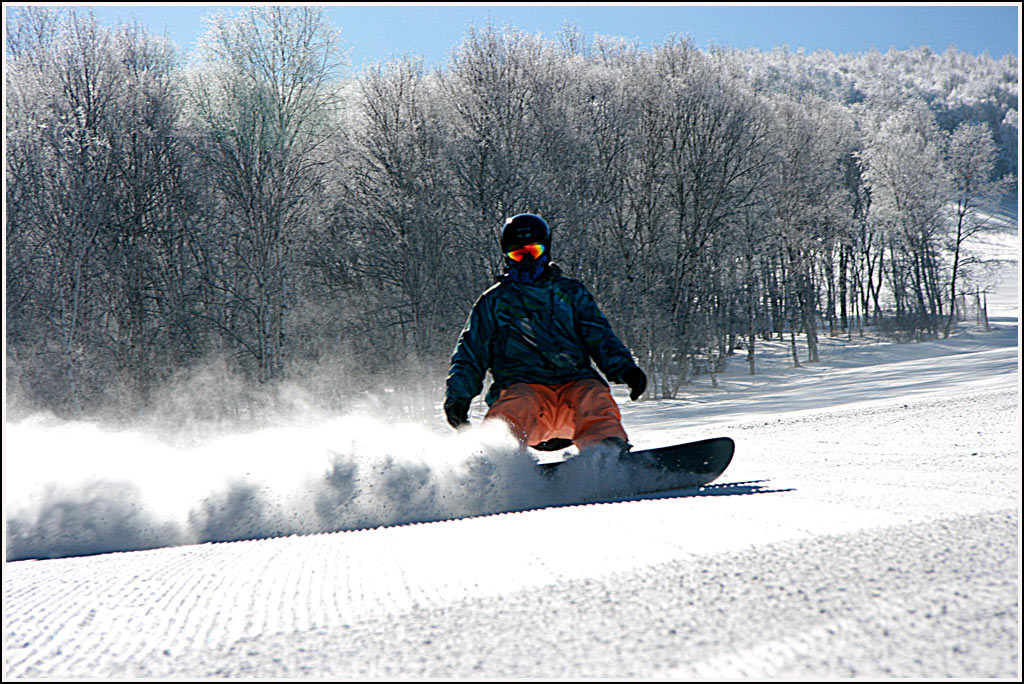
[(678, 466)]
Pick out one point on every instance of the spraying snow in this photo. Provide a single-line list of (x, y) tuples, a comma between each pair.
[(90, 490)]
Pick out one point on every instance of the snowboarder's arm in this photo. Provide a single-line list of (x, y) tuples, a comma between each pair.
[(472, 356), (612, 357)]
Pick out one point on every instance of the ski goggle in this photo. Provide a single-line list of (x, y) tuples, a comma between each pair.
[(534, 250)]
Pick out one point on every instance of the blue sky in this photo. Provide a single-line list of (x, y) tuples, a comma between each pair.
[(377, 32)]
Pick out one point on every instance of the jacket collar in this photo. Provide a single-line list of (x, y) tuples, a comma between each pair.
[(550, 272)]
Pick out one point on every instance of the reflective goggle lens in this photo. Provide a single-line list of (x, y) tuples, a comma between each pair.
[(534, 250)]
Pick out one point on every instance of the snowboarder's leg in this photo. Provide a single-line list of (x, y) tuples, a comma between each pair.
[(595, 415), (532, 412), (583, 411)]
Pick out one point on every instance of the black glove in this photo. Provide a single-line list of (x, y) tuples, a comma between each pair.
[(457, 412), (637, 381)]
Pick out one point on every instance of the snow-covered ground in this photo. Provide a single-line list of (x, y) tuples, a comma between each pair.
[(868, 526)]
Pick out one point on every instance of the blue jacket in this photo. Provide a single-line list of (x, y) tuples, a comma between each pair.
[(544, 333)]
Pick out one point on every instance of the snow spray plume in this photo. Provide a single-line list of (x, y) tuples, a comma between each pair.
[(98, 517), (75, 489)]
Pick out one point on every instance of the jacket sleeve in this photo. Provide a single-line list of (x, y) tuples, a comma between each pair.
[(612, 357), (472, 356)]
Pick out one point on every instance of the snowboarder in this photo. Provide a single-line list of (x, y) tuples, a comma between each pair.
[(536, 331)]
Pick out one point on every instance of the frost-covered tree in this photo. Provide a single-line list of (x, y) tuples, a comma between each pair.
[(805, 194), (391, 230), (262, 100), (971, 160), (906, 173), (58, 104), (717, 151), (92, 208)]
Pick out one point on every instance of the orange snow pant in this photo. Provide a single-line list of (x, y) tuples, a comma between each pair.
[(582, 410)]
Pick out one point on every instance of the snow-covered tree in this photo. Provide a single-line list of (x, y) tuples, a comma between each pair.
[(971, 161), (92, 208), (906, 174), (262, 101)]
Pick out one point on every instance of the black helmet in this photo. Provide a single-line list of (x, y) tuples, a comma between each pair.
[(525, 229)]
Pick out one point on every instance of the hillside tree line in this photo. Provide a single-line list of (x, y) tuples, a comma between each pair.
[(255, 209)]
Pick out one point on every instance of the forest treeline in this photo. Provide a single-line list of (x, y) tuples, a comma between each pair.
[(252, 207)]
